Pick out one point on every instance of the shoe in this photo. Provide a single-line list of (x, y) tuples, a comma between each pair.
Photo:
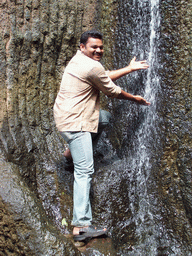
[(89, 232)]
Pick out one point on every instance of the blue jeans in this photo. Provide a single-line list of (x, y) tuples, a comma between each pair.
[(81, 147)]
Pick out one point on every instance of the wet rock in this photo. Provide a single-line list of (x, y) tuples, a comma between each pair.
[(38, 41), (25, 228), (142, 185)]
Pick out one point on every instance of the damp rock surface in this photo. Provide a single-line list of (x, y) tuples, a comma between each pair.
[(25, 228), (142, 186)]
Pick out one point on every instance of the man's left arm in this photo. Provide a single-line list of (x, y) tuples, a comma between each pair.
[(136, 98), (133, 66)]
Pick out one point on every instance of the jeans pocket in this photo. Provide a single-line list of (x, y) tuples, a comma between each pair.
[(67, 136)]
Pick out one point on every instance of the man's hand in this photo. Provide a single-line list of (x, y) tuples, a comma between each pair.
[(136, 98), (137, 65), (141, 100), (133, 66)]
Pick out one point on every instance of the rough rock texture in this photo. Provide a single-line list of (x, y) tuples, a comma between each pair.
[(148, 209), (176, 169), (25, 228), (9, 241), (37, 39)]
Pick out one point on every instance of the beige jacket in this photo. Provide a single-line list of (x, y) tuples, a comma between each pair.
[(76, 107)]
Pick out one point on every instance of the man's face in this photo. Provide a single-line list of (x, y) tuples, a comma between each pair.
[(93, 48)]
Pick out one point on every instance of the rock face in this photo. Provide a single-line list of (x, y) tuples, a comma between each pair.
[(25, 228), (142, 188), (37, 38)]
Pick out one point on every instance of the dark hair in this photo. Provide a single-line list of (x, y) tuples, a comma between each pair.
[(90, 33)]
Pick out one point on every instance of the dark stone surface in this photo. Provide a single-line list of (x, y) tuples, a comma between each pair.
[(142, 187)]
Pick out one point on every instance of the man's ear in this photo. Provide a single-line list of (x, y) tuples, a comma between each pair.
[(82, 47)]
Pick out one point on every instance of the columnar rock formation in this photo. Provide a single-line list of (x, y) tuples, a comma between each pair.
[(37, 40)]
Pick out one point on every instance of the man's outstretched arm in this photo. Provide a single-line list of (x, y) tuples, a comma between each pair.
[(136, 98), (133, 66)]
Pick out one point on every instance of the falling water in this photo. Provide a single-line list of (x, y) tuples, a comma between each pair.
[(139, 33), (144, 218), (145, 221)]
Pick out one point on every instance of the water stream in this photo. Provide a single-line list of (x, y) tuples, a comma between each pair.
[(145, 137), (139, 34)]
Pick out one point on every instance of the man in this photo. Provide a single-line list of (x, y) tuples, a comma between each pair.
[(79, 120)]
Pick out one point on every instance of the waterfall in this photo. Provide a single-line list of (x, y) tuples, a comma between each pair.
[(139, 34), (145, 137)]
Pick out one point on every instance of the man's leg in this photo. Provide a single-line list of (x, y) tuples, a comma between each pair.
[(67, 154), (104, 120), (80, 144)]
